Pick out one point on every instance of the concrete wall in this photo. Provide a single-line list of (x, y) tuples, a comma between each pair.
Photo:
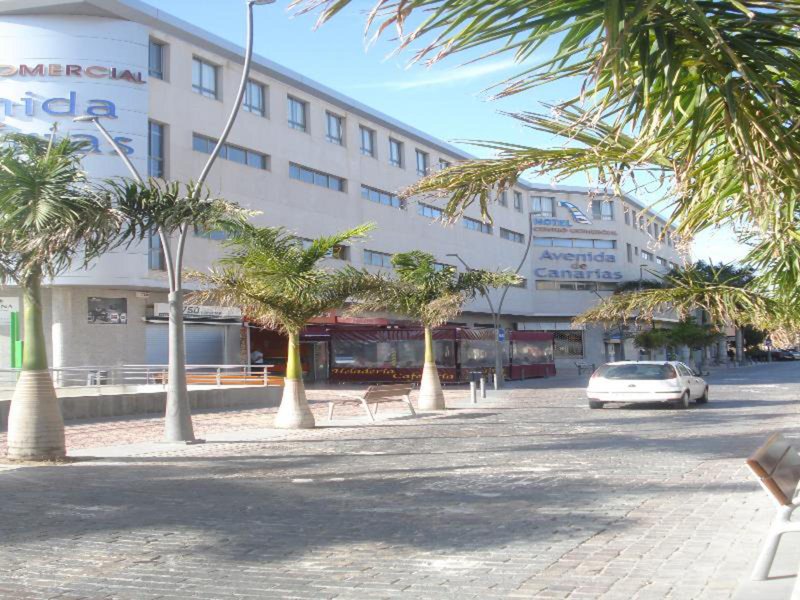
[(115, 405)]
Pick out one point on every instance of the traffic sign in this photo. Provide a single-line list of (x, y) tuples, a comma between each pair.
[(501, 335)]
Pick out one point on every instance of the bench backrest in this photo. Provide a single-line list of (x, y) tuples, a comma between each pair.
[(777, 466), (383, 392)]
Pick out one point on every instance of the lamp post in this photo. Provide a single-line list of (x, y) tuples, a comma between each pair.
[(178, 419), (498, 358)]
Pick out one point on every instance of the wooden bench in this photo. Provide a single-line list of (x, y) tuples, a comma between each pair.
[(584, 366), (777, 466), (376, 394)]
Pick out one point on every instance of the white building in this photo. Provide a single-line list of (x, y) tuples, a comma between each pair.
[(307, 157)]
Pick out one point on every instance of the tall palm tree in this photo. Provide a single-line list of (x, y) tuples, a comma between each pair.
[(172, 209), (702, 96), (278, 282), (50, 220), (432, 295)]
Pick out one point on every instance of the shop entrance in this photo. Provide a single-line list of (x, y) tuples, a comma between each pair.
[(317, 357)]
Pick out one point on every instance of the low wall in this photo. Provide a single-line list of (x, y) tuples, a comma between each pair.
[(121, 404)]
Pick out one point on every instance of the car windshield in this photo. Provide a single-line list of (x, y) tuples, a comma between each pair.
[(637, 371)]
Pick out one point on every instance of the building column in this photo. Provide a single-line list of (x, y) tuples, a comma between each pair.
[(61, 328)]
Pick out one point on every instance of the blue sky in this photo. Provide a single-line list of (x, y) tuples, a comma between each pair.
[(446, 100)]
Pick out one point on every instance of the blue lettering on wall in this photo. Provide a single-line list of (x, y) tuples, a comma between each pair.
[(594, 274), (578, 256), (59, 106)]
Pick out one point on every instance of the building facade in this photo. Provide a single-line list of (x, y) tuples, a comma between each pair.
[(304, 156)]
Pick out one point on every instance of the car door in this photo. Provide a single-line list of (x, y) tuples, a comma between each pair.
[(694, 383)]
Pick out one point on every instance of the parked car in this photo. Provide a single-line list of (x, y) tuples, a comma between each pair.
[(646, 381), (795, 354)]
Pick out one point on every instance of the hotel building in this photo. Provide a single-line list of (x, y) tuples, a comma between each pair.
[(309, 159)]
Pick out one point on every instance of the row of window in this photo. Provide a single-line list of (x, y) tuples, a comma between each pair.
[(590, 286), (574, 243), (641, 221), (237, 154), (633, 251)]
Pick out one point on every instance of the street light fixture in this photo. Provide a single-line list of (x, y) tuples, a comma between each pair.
[(178, 420), (498, 358)]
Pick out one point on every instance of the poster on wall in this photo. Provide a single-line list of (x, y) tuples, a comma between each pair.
[(108, 311), (8, 305)]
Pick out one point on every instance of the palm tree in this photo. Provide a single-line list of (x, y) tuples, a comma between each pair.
[(432, 295), (725, 293), (50, 220), (699, 96), (172, 209), (276, 279)]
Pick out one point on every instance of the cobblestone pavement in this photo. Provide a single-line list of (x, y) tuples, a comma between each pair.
[(528, 495)]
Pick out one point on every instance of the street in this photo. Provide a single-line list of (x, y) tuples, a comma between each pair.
[(528, 495)]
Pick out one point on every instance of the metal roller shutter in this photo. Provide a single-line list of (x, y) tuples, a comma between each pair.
[(205, 344)]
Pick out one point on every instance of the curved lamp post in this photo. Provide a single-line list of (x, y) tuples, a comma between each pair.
[(498, 356), (178, 418)]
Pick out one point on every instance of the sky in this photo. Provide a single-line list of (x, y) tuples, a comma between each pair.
[(448, 100)]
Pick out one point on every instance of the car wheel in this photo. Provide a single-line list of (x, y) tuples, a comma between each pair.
[(684, 401), (595, 404), (704, 398)]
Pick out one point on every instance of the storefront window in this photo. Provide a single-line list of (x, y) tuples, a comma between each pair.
[(389, 354), (532, 352), (480, 353)]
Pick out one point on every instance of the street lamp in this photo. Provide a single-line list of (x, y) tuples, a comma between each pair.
[(178, 420), (498, 358)]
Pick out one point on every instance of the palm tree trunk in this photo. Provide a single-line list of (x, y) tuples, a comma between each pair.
[(294, 412), (35, 423), (178, 417), (431, 396)]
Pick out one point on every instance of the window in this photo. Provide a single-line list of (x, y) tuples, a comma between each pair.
[(213, 234), (377, 259), (627, 216), (155, 149), (476, 225), (237, 154), (381, 197), (443, 164), (338, 252), (575, 243), (367, 141), (636, 250), (603, 210), (568, 344), (512, 236), (543, 206), (335, 129), (307, 175), (298, 111), (646, 255), (254, 99), (660, 261), (423, 163), (395, 153), (438, 267), (655, 230), (204, 78), (430, 212), (634, 218), (518, 201), (502, 199), (156, 261), (156, 60), (629, 250)]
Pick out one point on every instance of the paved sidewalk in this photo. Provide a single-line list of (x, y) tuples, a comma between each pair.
[(529, 495)]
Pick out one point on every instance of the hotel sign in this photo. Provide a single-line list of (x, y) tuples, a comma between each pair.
[(579, 267)]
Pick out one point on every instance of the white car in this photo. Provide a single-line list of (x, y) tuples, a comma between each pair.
[(646, 381)]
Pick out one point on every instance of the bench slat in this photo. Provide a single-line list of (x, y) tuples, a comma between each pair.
[(777, 465)]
